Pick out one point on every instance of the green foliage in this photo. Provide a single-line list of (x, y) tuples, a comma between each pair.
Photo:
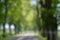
[(24, 16)]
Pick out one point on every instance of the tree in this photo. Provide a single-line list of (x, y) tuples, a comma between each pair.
[(3, 13), (50, 22), (17, 13)]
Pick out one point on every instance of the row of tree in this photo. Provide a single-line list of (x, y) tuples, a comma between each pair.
[(23, 15), (18, 13), (49, 18)]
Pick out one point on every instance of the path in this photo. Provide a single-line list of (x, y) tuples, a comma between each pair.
[(27, 36)]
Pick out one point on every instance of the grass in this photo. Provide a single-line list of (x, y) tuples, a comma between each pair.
[(58, 35), (40, 36), (7, 36), (44, 38)]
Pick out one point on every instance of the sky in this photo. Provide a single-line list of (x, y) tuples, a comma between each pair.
[(33, 2), (58, 5)]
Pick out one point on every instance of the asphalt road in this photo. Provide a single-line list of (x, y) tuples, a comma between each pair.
[(25, 38)]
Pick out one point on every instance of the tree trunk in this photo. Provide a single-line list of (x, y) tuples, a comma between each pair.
[(38, 18), (15, 30), (0, 27), (50, 22), (4, 31), (10, 30), (51, 25)]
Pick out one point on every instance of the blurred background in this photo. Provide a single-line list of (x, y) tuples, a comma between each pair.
[(42, 17)]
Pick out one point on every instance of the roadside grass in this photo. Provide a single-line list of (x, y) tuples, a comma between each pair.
[(7, 36), (44, 38), (58, 35), (40, 36)]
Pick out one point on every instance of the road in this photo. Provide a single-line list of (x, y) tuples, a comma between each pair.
[(27, 36)]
